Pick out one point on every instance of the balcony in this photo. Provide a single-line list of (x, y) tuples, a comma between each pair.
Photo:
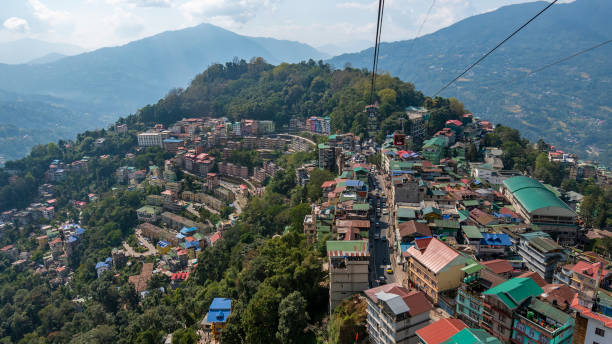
[(540, 321)]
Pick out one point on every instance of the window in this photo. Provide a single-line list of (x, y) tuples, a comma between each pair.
[(600, 332)]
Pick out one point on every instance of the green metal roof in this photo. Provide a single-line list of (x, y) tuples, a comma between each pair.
[(360, 169), (323, 146), (434, 141), (452, 224), (532, 194), (514, 291), (406, 213), (471, 202), (429, 210), (361, 206), (472, 268), (544, 244), (549, 311), (472, 336), (463, 215), (472, 232), (323, 228)]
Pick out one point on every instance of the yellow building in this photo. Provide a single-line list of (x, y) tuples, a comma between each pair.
[(434, 267)]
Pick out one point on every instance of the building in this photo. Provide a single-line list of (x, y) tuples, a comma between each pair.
[(469, 299), (327, 157), (418, 123), (582, 277), (440, 331), (150, 139), (310, 229), (540, 253), (493, 245), (433, 149), (540, 206), (148, 213), (216, 318), (434, 267), (502, 300), (593, 322), (394, 314), (538, 322), (472, 336), (348, 269)]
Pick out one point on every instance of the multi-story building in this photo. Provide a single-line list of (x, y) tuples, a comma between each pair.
[(433, 149), (469, 300), (434, 267), (310, 229), (540, 253), (538, 322), (582, 277), (540, 206), (150, 139), (500, 303), (348, 269), (266, 127), (439, 331), (394, 314), (327, 157), (418, 123), (148, 213), (472, 336), (593, 324), (216, 318)]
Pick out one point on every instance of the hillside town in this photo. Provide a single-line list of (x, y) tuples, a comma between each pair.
[(441, 248)]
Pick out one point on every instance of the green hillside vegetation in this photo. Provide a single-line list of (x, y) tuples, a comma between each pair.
[(567, 105)]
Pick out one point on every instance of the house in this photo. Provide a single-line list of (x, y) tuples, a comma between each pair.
[(593, 322), (434, 267), (538, 321), (148, 213), (439, 331), (540, 253), (395, 313), (469, 299), (583, 277), (501, 267), (472, 336), (408, 231), (348, 269), (216, 318), (493, 245), (500, 303)]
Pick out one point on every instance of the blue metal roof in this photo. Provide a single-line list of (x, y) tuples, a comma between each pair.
[(495, 239), (80, 230), (219, 310), (108, 260), (186, 230), (72, 239), (101, 265), (163, 243), (353, 183)]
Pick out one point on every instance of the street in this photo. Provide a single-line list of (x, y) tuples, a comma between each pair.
[(379, 242)]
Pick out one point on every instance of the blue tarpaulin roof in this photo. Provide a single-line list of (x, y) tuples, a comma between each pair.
[(101, 265), (186, 230), (72, 239), (353, 183)]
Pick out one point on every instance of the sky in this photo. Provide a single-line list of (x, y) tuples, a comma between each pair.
[(331, 25)]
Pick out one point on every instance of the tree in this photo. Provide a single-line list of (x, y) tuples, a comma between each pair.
[(261, 315), (293, 318), (185, 336), (317, 177)]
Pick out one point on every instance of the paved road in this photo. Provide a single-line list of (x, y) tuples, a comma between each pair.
[(150, 248), (379, 244)]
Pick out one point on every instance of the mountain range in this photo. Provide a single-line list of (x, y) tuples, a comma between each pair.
[(26, 50), (110, 82), (568, 104)]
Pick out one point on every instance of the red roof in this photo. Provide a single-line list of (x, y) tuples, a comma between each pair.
[(435, 256), (415, 300), (413, 228), (455, 122), (215, 237), (181, 276), (499, 266), (328, 184), (535, 277), (589, 270), (6, 248), (440, 331), (587, 312)]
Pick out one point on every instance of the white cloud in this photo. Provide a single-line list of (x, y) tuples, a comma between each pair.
[(228, 12), (124, 23), (359, 5), (47, 15), (143, 3), (16, 24)]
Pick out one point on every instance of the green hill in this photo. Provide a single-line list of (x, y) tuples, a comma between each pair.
[(567, 105)]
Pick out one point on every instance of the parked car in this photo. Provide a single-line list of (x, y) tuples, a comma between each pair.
[(389, 270)]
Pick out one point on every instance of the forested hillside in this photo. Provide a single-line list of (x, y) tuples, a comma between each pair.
[(567, 105), (93, 89)]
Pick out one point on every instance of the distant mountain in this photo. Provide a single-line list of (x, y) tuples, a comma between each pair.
[(568, 104), (28, 49), (117, 81), (52, 57)]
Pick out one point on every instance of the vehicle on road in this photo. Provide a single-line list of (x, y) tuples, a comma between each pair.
[(388, 269), (376, 236)]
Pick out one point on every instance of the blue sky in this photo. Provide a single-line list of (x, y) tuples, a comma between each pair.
[(348, 24)]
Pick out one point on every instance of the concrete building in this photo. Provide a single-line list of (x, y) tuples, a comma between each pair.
[(310, 229), (348, 269), (394, 314), (440, 331), (148, 213), (540, 206), (583, 277), (418, 123), (538, 322), (216, 318), (593, 324), (500, 303), (434, 267), (540, 253), (150, 139), (469, 299)]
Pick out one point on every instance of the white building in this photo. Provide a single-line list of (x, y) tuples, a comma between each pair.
[(540, 253), (395, 313), (150, 140)]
